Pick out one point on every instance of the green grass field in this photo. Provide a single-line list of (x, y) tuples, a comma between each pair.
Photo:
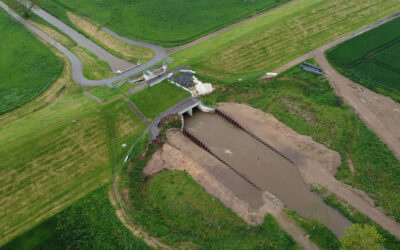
[(93, 67), (154, 100), (52, 154), (307, 104), (90, 223), (174, 208), (27, 66), (372, 59), (168, 23), (272, 40)]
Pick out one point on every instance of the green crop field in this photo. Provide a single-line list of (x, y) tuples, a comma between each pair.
[(154, 100), (307, 104), (90, 223), (372, 59), (53, 153), (270, 41), (168, 23), (27, 66)]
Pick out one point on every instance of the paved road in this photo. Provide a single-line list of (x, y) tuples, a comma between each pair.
[(116, 64), (76, 63)]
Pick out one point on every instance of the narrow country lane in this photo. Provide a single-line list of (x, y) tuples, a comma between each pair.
[(77, 74)]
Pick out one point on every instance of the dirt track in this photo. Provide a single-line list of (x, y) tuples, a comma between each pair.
[(380, 113)]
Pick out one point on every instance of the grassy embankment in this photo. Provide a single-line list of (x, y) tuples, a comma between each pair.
[(355, 216), (272, 40), (167, 23), (93, 31), (28, 68), (154, 100), (93, 67), (372, 59), (174, 208), (307, 104), (56, 149), (319, 233), (90, 223)]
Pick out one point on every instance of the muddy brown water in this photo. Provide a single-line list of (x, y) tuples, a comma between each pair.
[(264, 167)]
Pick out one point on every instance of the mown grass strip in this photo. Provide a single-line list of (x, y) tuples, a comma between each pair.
[(167, 23), (272, 40), (152, 101), (44, 172), (90, 223)]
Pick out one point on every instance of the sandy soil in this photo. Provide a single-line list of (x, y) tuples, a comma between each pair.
[(316, 163), (380, 113), (179, 153)]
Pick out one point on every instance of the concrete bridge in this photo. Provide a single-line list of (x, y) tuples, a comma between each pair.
[(183, 107)]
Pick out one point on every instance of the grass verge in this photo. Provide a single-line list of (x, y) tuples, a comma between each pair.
[(92, 67), (319, 233), (391, 242), (152, 101)]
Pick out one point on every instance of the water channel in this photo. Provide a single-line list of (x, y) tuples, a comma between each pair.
[(264, 167)]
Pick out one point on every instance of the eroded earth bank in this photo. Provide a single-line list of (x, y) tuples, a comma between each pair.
[(314, 165)]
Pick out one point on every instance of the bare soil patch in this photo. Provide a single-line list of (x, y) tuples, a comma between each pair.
[(179, 153), (317, 164)]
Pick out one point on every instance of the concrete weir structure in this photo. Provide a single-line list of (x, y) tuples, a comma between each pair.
[(183, 107)]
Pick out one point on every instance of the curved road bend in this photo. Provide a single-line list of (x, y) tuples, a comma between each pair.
[(77, 75), (76, 63), (116, 64)]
